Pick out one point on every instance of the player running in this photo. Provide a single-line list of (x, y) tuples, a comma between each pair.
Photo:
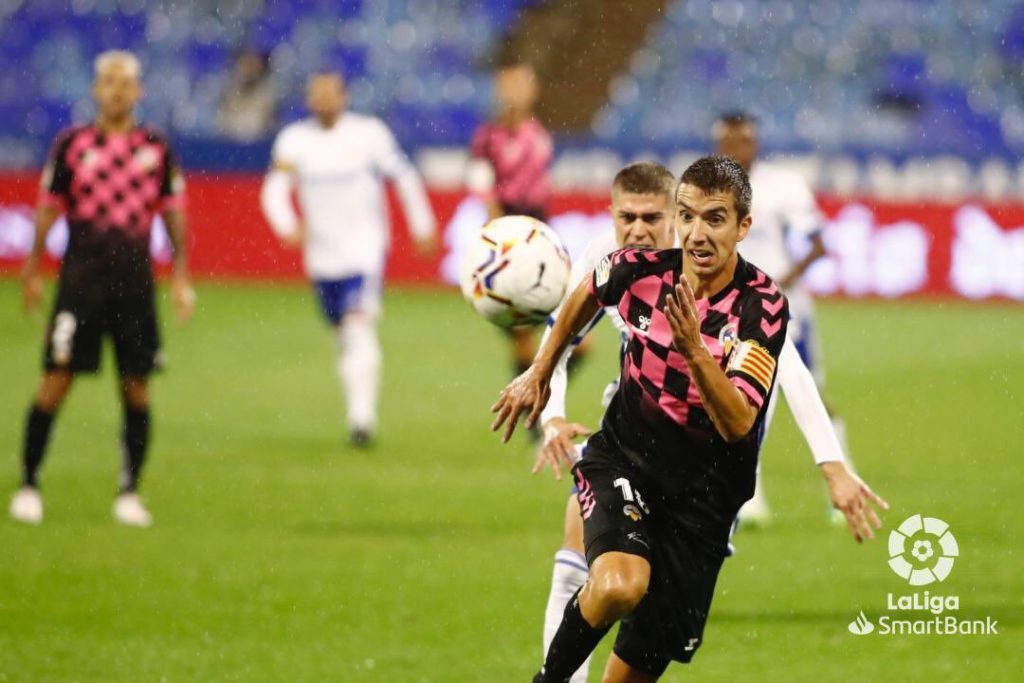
[(662, 481), (337, 160), (785, 212), (511, 158), (109, 178), (642, 204)]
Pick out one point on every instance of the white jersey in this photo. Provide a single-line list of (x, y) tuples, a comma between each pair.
[(793, 377), (339, 172), (783, 207)]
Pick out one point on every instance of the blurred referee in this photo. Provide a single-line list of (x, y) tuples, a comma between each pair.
[(109, 178)]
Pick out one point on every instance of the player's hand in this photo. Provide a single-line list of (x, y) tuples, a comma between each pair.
[(558, 447), (853, 497), (426, 246), (528, 393), (31, 288), (183, 298), (296, 239), (681, 311)]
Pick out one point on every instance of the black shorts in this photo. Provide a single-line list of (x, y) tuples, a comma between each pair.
[(626, 512), (91, 304)]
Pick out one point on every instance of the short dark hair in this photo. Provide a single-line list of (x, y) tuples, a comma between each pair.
[(719, 173), (737, 118), (645, 177)]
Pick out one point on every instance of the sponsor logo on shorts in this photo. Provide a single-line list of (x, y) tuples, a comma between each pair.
[(633, 512)]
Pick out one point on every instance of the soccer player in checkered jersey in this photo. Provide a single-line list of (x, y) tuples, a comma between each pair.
[(338, 161), (109, 178), (509, 168), (786, 214), (642, 208), (662, 481)]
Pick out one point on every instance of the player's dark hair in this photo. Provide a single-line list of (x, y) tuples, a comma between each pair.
[(719, 173), (737, 118), (645, 177)]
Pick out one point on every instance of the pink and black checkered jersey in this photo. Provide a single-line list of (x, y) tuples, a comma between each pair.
[(657, 419), (110, 186), (521, 159)]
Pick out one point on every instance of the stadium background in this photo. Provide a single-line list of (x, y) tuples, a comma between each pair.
[(278, 555)]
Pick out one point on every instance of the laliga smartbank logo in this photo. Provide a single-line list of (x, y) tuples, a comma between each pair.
[(922, 551)]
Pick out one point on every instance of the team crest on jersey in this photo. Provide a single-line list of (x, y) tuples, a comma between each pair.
[(147, 157), (633, 512), (727, 338), (604, 271)]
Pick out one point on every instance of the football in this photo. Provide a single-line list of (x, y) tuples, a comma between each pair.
[(515, 271)]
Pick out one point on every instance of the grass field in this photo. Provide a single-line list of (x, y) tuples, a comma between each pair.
[(279, 554)]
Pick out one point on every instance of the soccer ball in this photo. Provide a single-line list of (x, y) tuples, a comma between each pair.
[(515, 271)]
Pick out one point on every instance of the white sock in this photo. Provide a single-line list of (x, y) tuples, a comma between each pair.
[(359, 360), (568, 576)]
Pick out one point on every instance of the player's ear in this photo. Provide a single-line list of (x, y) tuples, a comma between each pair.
[(744, 227)]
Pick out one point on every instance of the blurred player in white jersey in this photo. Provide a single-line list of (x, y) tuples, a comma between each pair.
[(642, 211), (338, 160), (786, 217)]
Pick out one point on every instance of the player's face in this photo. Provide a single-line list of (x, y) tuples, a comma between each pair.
[(642, 220), (516, 90), (738, 142), (325, 98), (709, 229), (116, 90)]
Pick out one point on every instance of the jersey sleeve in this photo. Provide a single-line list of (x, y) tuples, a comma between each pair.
[(172, 186), (284, 152), (55, 184), (618, 270), (802, 215), (761, 335), (479, 146)]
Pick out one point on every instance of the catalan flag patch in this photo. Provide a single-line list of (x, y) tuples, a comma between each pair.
[(753, 360)]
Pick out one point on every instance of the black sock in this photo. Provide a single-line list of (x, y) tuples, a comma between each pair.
[(572, 644), (134, 442), (37, 434)]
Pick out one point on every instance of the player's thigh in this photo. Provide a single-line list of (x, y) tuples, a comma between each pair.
[(668, 624), (572, 527), (75, 330), (132, 320)]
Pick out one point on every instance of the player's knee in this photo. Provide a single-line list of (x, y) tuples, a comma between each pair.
[(135, 393), (620, 585), (52, 390)]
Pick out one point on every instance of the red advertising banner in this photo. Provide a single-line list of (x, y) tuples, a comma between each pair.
[(876, 249)]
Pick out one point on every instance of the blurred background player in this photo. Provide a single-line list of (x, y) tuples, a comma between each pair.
[(642, 203), (509, 166), (248, 106), (109, 178), (337, 160), (787, 220)]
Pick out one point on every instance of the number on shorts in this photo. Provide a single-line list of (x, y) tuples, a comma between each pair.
[(629, 494)]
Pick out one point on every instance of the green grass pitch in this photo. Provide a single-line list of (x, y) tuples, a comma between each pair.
[(279, 554)]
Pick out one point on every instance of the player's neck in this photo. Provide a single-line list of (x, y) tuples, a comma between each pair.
[(707, 288), (113, 125), (514, 119)]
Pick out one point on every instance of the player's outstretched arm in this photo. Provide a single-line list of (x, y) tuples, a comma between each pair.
[(730, 411), (529, 392), (854, 498)]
